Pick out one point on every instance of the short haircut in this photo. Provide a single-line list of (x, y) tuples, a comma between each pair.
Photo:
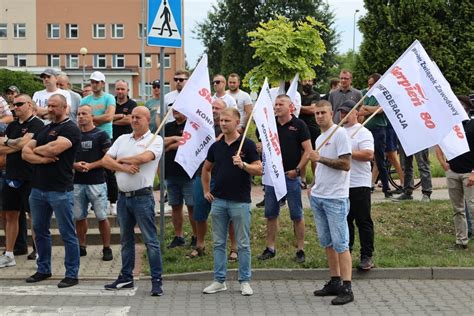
[(324, 103), (346, 71), (182, 72), (231, 111), (334, 82), (284, 96), (234, 75), (219, 75), (121, 81), (60, 97), (86, 85), (376, 76), (24, 95), (86, 105)]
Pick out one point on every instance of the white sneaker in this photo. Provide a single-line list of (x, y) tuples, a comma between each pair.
[(245, 289), (113, 209), (6, 261), (215, 287)]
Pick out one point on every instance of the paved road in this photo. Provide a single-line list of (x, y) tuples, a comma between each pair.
[(373, 297)]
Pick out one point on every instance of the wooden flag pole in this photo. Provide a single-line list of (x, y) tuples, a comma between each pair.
[(366, 121), (245, 133), (165, 118)]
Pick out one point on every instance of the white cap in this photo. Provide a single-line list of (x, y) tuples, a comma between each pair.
[(97, 76)]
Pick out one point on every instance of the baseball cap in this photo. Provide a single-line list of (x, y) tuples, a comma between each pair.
[(97, 76), (346, 106), (13, 89), (49, 72), (156, 83)]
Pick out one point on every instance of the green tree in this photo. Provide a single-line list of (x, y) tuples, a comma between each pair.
[(444, 28), (25, 81), (224, 32)]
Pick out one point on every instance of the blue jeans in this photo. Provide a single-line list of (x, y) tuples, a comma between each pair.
[(42, 205), (293, 196), (222, 213), (138, 210)]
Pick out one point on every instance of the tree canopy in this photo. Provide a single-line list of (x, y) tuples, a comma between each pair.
[(25, 81)]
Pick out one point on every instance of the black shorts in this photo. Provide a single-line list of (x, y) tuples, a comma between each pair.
[(16, 199)]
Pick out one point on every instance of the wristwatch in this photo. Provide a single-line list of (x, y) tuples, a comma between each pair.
[(298, 171)]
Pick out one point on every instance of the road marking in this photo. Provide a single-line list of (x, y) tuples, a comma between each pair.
[(78, 290), (70, 310)]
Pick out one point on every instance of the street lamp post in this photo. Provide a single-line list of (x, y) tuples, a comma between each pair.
[(147, 65), (83, 52), (354, 32)]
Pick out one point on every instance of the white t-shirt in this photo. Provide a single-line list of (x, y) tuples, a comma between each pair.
[(170, 97), (332, 183), (229, 101), (41, 97), (127, 146), (360, 174), (242, 98)]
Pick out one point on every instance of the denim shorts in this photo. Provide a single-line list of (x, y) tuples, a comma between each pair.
[(293, 197), (96, 194), (202, 207), (330, 216), (180, 189)]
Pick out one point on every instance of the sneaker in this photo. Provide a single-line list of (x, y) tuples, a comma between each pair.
[(68, 282), (156, 287), (120, 283), (245, 289), (177, 242), (267, 254), (330, 288), (193, 242), (396, 191), (459, 247), (82, 251), (215, 287), (113, 209), (345, 296), (282, 202), (32, 255), (365, 264), (388, 194), (300, 257), (260, 204), (403, 197), (425, 198), (6, 261), (37, 277), (107, 254)]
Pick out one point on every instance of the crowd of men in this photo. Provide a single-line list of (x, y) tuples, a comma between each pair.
[(68, 154)]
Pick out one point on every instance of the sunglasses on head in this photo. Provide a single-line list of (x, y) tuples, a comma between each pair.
[(216, 82), (179, 79)]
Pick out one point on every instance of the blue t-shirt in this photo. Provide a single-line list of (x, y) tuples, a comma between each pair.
[(99, 106)]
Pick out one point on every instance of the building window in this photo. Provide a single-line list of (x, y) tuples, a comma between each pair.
[(3, 60), (3, 30), (166, 87), (72, 31), (72, 61), (98, 31), (20, 60), (118, 61), (167, 61), (147, 57), (54, 31), (141, 30), (100, 61), (117, 31), (54, 61), (19, 30)]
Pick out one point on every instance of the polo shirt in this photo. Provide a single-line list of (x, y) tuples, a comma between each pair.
[(172, 168), (291, 135), (58, 175), (99, 107), (231, 182), (465, 162), (127, 146), (125, 108), (337, 97), (16, 167), (379, 119)]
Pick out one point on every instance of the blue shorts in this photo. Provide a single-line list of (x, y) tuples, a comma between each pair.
[(293, 197), (180, 189), (95, 194), (391, 139), (202, 207), (330, 216)]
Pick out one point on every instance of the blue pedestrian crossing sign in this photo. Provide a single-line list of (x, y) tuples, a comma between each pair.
[(164, 23)]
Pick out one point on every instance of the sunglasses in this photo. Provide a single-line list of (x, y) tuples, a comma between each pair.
[(344, 78), (18, 104), (216, 82), (179, 79), (154, 87), (45, 76)]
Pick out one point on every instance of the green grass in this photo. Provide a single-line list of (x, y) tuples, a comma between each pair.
[(409, 234)]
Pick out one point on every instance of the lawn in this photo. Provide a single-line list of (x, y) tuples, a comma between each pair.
[(409, 234)]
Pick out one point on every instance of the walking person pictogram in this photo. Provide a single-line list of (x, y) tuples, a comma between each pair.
[(166, 13)]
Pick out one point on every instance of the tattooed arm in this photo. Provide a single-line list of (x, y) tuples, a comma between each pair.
[(341, 163)]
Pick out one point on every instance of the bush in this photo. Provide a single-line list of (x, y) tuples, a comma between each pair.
[(25, 81)]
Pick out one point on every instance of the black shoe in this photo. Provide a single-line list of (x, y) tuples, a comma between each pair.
[(282, 202), (365, 264), (459, 247), (107, 254), (67, 282), (388, 194), (267, 254), (345, 296), (37, 277), (156, 287), (300, 257), (119, 284), (177, 242), (193, 242), (469, 235), (329, 289), (396, 191), (403, 197), (261, 204), (32, 255), (20, 252), (82, 251)]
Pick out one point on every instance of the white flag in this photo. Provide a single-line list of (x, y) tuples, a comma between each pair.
[(295, 95), (417, 100), (455, 144), (194, 102), (273, 174)]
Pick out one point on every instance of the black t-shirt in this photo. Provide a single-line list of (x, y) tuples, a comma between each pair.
[(291, 135), (94, 145), (465, 162), (231, 182), (307, 100), (58, 175), (126, 108), (172, 168), (17, 168)]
